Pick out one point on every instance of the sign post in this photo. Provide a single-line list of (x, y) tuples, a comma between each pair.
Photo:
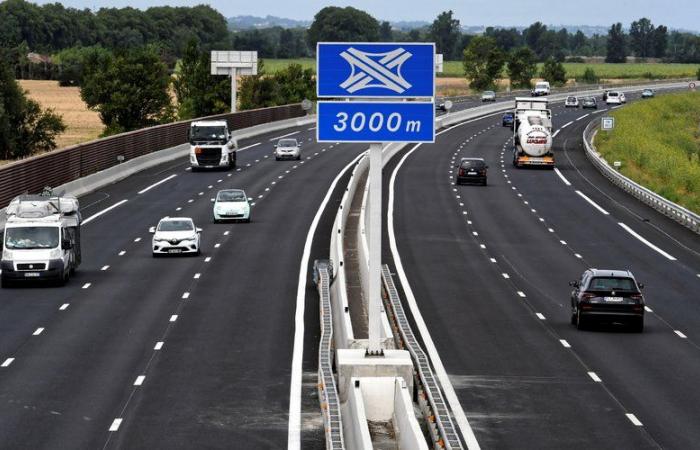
[(607, 123), (394, 73), (233, 64)]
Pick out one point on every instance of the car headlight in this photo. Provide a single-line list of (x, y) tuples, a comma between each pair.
[(56, 253), (6, 254)]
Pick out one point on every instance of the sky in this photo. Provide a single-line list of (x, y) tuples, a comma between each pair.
[(672, 13)]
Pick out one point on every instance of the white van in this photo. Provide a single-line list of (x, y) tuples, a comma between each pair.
[(541, 88)]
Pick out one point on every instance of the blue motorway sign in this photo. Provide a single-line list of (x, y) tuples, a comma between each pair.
[(375, 70), (375, 122)]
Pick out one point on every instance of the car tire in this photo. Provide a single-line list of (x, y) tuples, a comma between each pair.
[(637, 325), (4, 283), (299, 158), (581, 323), (573, 318), (217, 221), (247, 220), (155, 255), (484, 183)]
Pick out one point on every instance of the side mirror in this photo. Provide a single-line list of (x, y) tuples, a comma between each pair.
[(152, 230), (231, 145), (199, 230), (641, 285), (275, 145), (250, 199), (213, 200), (66, 244), (574, 284)]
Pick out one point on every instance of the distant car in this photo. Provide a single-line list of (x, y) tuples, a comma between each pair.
[(231, 204), (615, 98), (472, 170), (541, 88), (607, 295), (571, 102), (647, 93), (176, 235), (488, 96), (589, 102), (508, 119), (605, 95), (440, 105), (287, 149)]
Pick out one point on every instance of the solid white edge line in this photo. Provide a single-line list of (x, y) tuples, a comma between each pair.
[(592, 203), (146, 189), (566, 125), (285, 135), (294, 431), (634, 419), (247, 147), (106, 210), (448, 389), (594, 377), (555, 133), (647, 243), (563, 178)]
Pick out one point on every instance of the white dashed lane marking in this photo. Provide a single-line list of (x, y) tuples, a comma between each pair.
[(645, 242), (594, 377), (565, 343), (540, 316), (115, 425), (38, 331), (158, 346), (634, 419), (139, 380), (173, 318), (7, 362), (104, 268), (64, 306)]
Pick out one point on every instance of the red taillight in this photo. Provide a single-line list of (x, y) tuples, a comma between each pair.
[(482, 172), (197, 151), (636, 297), (587, 296), (462, 172)]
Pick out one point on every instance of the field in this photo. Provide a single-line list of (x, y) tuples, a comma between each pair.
[(658, 143), (83, 124), (603, 70)]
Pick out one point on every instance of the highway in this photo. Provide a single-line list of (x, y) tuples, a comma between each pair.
[(137, 352), (489, 269)]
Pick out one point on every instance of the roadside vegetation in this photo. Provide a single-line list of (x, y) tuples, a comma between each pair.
[(658, 143)]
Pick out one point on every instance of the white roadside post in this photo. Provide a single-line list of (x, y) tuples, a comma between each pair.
[(234, 64), (375, 347)]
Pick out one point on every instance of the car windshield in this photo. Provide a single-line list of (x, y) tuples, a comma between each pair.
[(541, 85), (176, 225), (231, 196), (473, 164), (27, 238), (589, 100), (489, 93), (287, 143), (207, 133), (612, 283), (571, 99)]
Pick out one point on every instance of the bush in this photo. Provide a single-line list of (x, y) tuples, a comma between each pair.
[(697, 75), (575, 59), (554, 72), (589, 76)]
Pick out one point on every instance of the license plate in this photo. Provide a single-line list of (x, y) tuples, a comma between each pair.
[(175, 250), (31, 274), (471, 173), (613, 299)]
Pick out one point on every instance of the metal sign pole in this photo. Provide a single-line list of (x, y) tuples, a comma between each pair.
[(375, 249), (234, 75)]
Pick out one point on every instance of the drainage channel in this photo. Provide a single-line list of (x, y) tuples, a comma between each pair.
[(430, 399)]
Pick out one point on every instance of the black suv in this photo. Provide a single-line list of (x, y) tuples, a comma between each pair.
[(612, 295), (471, 170)]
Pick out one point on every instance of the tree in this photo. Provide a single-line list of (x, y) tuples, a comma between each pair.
[(290, 85), (483, 62), (533, 37), (24, 127), (660, 41), (522, 67), (589, 76), (129, 91), (445, 32), (617, 47), (199, 93), (642, 37), (506, 39), (385, 33), (554, 72), (334, 24)]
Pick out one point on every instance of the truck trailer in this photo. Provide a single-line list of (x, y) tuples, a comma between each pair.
[(532, 133)]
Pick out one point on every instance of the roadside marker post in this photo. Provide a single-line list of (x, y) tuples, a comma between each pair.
[(401, 77)]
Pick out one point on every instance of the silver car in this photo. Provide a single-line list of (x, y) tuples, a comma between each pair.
[(488, 96), (287, 149)]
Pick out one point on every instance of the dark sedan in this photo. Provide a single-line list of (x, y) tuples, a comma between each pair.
[(472, 170), (607, 295), (508, 119)]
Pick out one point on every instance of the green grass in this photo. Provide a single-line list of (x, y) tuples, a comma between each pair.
[(658, 143), (573, 70)]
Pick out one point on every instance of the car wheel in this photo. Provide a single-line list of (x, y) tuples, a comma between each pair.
[(573, 318), (299, 158), (637, 325), (217, 221), (195, 169), (4, 283), (247, 220), (581, 323), (485, 183)]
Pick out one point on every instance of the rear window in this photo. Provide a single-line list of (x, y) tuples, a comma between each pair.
[(472, 164), (613, 94), (571, 99), (612, 283)]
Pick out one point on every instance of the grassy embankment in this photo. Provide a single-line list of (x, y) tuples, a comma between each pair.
[(658, 143)]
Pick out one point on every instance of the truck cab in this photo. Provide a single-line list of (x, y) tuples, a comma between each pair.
[(41, 239), (211, 145)]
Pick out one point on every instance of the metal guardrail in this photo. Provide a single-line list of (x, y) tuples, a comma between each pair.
[(676, 212), (65, 165), (435, 410), (327, 391)]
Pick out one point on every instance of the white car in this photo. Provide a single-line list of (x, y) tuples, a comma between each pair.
[(571, 102), (175, 235), (541, 88), (287, 149), (488, 96), (615, 98), (231, 204)]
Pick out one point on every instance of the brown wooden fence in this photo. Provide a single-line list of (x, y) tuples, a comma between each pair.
[(55, 168)]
